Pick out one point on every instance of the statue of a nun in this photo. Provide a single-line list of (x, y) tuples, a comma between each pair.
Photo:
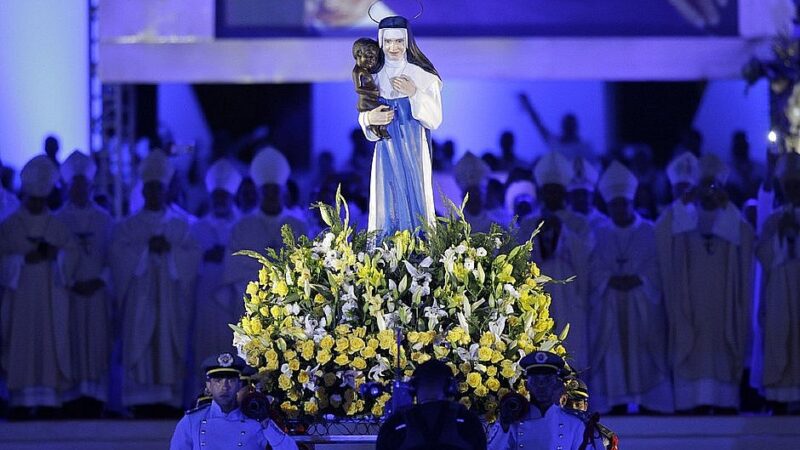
[(401, 194)]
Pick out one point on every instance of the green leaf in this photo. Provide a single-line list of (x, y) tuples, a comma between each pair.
[(255, 255)]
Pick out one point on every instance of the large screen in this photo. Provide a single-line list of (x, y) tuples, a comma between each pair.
[(270, 18)]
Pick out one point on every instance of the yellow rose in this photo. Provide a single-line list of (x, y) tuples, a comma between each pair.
[(359, 363), (284, 382), (465, 367), (327, 342), (342, 344), (493, 384), (356, 344), (342, 359), (487, 339), (491, 371), (368, 352), (484, 353), (500, 346), (307, 350), (377, 409), (474, 379), (413, 337), (303, 377), (289, 409), (466, 402), (255, 325), (310, 407), (264, 311), (419, 357), (497, 357), (463, 387), (293, 396), (323, 356), (373, 343), (481, 391), (342, 330), (440, 352), (276, 311), (294, 365), (386, 339), (289, 354)]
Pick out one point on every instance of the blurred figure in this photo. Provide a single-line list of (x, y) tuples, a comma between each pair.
[(435, 421), (247, 197), (471, 173), (216, 304), (521, 200), (86, 268), (36, 341), (628, 346), (261, 229), (779, 252), (508, 157), (154, 261), (495, 203), (580, 192), (332, 14), (569, 142), (708, 268), (562, 250), (746, 175), (56, 197)]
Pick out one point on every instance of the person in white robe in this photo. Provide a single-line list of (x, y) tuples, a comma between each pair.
[(261, 229), (8, 205), (520, 200), (35, 342), (401, 193), (216, 304), (707, 274), (562, 249), (87, 275), (778, 250), (581, 191), (629, 338), (154, 263), (471, 172)]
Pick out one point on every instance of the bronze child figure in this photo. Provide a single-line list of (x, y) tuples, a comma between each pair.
[(369, 60)]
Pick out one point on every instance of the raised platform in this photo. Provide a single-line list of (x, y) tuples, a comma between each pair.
[(650, 433)]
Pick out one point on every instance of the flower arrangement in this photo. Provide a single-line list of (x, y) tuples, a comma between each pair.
[(321, 318)]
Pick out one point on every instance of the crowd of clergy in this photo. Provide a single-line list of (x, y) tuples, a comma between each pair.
[(686, 296)]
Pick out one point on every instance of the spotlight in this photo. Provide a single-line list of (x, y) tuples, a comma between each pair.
[(772, 136)]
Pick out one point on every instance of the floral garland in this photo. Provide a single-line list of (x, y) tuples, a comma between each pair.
[(321, 318)]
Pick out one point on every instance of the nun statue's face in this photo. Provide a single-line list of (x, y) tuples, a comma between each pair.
[(394, 47)]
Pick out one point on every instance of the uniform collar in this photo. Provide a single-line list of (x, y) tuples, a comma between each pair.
[(214, 411)]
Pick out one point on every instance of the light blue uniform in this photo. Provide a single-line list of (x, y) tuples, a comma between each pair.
[(557, 430), (210, 428)]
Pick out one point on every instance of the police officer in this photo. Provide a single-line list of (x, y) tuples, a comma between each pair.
[(546, 425), (434, 422), (576, 402), (221, 424)]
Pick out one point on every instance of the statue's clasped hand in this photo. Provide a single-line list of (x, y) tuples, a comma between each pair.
[(382, 115)]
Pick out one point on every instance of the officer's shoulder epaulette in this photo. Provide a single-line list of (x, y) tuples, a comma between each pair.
[(198, 409)]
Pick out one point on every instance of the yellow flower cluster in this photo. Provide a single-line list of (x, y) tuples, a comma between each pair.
[(320, 319)]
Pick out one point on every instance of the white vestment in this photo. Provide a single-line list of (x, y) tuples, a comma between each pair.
[(570, 259), (89, 316), (780, 310), (156, 292), (216, 304), (35, 350), (707, 279), (628, 335), (256, 231)]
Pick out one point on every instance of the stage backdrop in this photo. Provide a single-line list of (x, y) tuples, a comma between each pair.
[(264, 18)]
